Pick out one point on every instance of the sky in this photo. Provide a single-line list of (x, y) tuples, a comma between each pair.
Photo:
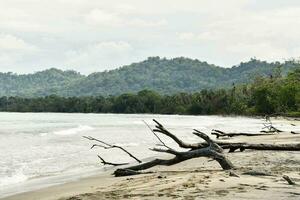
[(97, 35)]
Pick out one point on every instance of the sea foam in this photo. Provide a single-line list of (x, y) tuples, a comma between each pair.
[(17, 177), (71, 131)]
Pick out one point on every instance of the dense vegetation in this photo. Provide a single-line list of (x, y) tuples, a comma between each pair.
[(266, 95), (50, 80), (165, 76)]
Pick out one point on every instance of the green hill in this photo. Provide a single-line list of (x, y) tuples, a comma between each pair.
[(166, 76)]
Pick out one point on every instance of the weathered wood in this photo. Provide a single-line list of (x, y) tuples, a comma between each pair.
[(232, 173), (219, 134), (257, 173), (293, 132), (105, 145), (270, 128), (110, 163), (125, 172), (212, 150), (289, 180), (266, 147), (232, 146)]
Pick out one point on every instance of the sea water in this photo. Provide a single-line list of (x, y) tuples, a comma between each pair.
[(42, 149)]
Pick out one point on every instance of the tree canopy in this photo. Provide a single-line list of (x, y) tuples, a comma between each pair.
[(165, 76), (274, 94)]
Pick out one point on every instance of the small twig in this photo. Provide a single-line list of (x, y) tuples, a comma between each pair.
[(109, 146), (289, 180), (109, 163), (160, 140)]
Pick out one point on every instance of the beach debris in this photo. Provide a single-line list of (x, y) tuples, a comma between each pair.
[(160, 176), (109, 163), (232, 173), (105, 145), (289, 180), (257, 173), (242, 146), (219, 134), (293, 132), (126, 172), (266, 147), (211, 150), (269, 127)]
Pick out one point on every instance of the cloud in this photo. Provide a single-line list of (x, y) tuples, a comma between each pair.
[(97, 35), (187, 36), (108, 54), (100, 17), (11, 43)]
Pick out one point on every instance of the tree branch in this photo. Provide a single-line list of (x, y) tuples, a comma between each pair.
[(109, 146), (109, 163)]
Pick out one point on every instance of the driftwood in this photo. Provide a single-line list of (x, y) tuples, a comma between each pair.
[(110, 163), (293, 132), (271, 147), (105, 145), (210, 149), (219, 134), (289, 180), (233, 146), (269, 128)]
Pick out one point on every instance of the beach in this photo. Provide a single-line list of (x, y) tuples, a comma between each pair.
[(260, 177)]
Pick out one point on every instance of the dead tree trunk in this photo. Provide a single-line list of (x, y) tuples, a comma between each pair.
[(270, 147), (232, 146), (219, 134)]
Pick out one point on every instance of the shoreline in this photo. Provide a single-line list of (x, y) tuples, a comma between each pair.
[(273, 116), (188, 175), (192, 179)]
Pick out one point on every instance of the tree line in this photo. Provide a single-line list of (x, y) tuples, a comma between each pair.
[(265, 95)]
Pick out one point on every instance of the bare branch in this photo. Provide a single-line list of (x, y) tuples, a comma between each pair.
[(171, 151), (203, 136), (109, 163), (211, 143), (289, 180), (164, 144), (161, 129), (109, 146)]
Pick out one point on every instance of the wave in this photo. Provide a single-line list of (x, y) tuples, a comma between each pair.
[(13, 179), (73, 131), (69, 131), (131, 144)]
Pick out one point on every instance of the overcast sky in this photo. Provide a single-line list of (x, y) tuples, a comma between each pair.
[(94, 35)]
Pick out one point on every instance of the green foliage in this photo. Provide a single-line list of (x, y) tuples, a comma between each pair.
[(270, 95), (165, 76)]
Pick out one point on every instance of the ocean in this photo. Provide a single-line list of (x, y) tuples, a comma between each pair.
[(43, 149)]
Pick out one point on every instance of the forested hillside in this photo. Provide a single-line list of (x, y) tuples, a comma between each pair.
[(38, 84), (165, 76), (270, 95)]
